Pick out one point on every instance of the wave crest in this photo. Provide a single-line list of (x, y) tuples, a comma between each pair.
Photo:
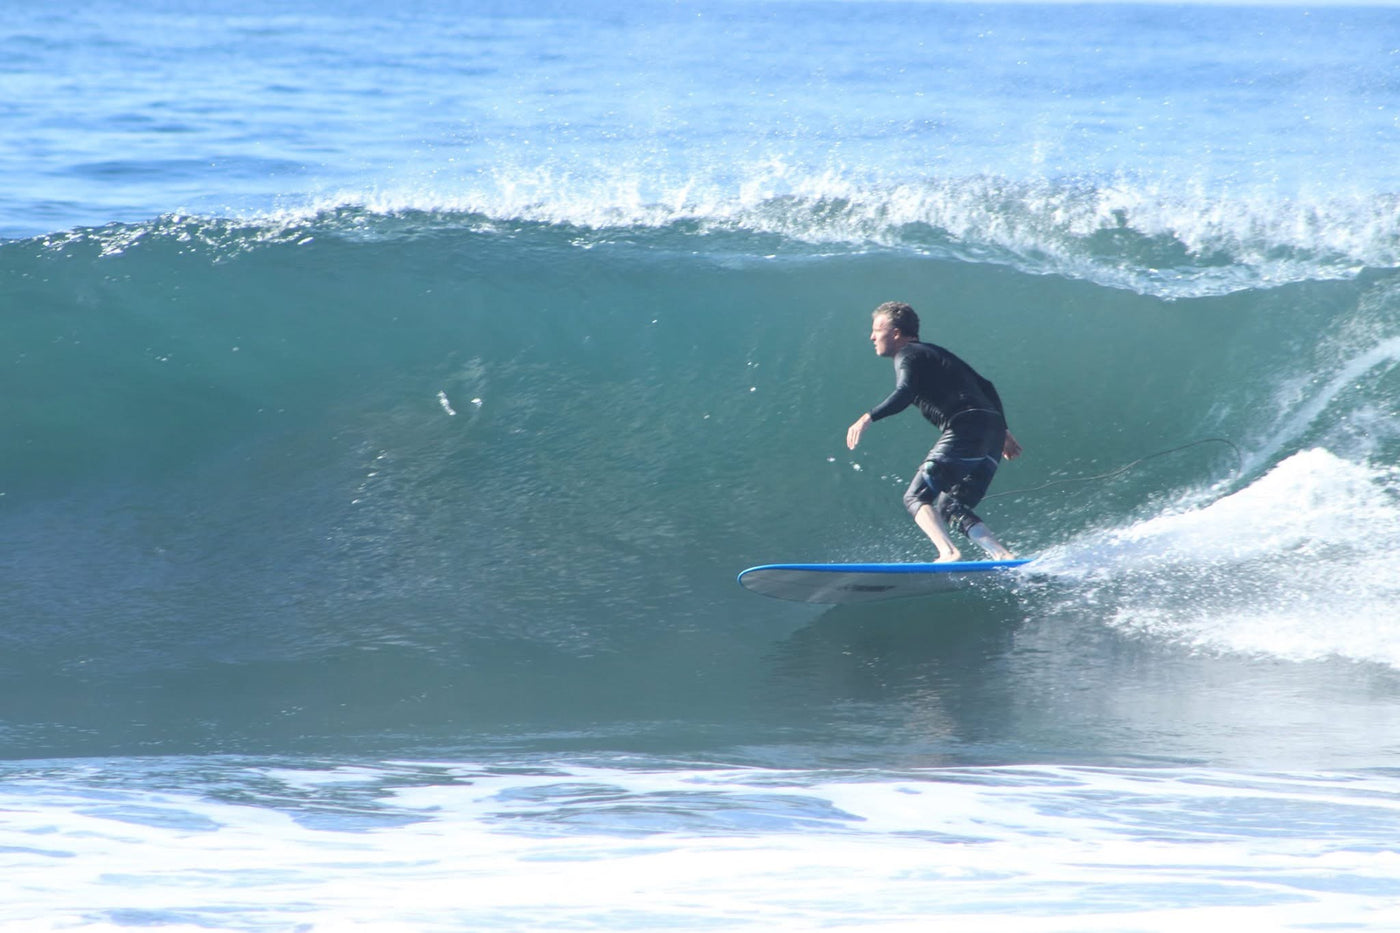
[(1126, 234)]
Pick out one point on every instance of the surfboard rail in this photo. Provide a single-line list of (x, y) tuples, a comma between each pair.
[(871, 582)]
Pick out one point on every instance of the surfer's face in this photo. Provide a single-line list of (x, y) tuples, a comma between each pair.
[(885, 336)]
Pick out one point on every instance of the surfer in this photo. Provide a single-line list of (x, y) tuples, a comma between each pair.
[(965, 408)]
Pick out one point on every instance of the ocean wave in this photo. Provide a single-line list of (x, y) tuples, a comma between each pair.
[(1150, 238), (337, 394)]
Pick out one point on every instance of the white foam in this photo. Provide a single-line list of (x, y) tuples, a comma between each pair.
[(1211, 241), (1152, 237), (1000, 849), (1302, 564)]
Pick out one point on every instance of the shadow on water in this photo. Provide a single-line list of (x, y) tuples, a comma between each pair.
[(1045, 674), (881, 651), (922, 675)]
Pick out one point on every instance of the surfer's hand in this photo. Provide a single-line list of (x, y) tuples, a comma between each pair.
[(854, 432), (1010, 449)]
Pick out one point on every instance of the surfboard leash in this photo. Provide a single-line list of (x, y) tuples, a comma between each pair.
[(1239, 467)]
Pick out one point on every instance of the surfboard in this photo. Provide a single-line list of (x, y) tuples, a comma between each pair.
[(865, 583)]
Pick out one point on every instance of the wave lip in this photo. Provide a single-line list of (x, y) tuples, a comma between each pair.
[(1152, 239), (1149, 237)]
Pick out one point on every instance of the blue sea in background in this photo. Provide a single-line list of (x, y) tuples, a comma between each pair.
[(393, 392)]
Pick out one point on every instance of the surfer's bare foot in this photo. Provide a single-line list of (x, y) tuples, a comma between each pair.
[(947, 557)]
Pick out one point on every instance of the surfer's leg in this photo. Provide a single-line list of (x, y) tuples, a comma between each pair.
[(924, 490), (955, 513), (950, 511), (965, 483), (982, 536), (931, 523)]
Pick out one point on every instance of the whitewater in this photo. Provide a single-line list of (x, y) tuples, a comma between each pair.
[(393, 393)]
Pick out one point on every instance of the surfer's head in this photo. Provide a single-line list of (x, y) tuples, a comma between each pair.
[(893, 325)]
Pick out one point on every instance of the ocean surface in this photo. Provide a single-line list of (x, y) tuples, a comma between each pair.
[(394, 390)]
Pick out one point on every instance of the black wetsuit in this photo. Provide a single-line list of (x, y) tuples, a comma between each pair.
[(966, 408)]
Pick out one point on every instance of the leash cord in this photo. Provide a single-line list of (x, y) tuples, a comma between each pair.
[(1239, 468)]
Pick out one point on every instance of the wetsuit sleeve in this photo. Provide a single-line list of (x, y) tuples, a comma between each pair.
[(900, 398)]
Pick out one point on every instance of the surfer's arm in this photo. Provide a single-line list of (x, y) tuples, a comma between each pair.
[(898, 400), (1010, 448), (902, 396)]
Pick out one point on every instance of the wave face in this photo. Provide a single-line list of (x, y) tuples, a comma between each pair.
[(384, 377), (477, 455)]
